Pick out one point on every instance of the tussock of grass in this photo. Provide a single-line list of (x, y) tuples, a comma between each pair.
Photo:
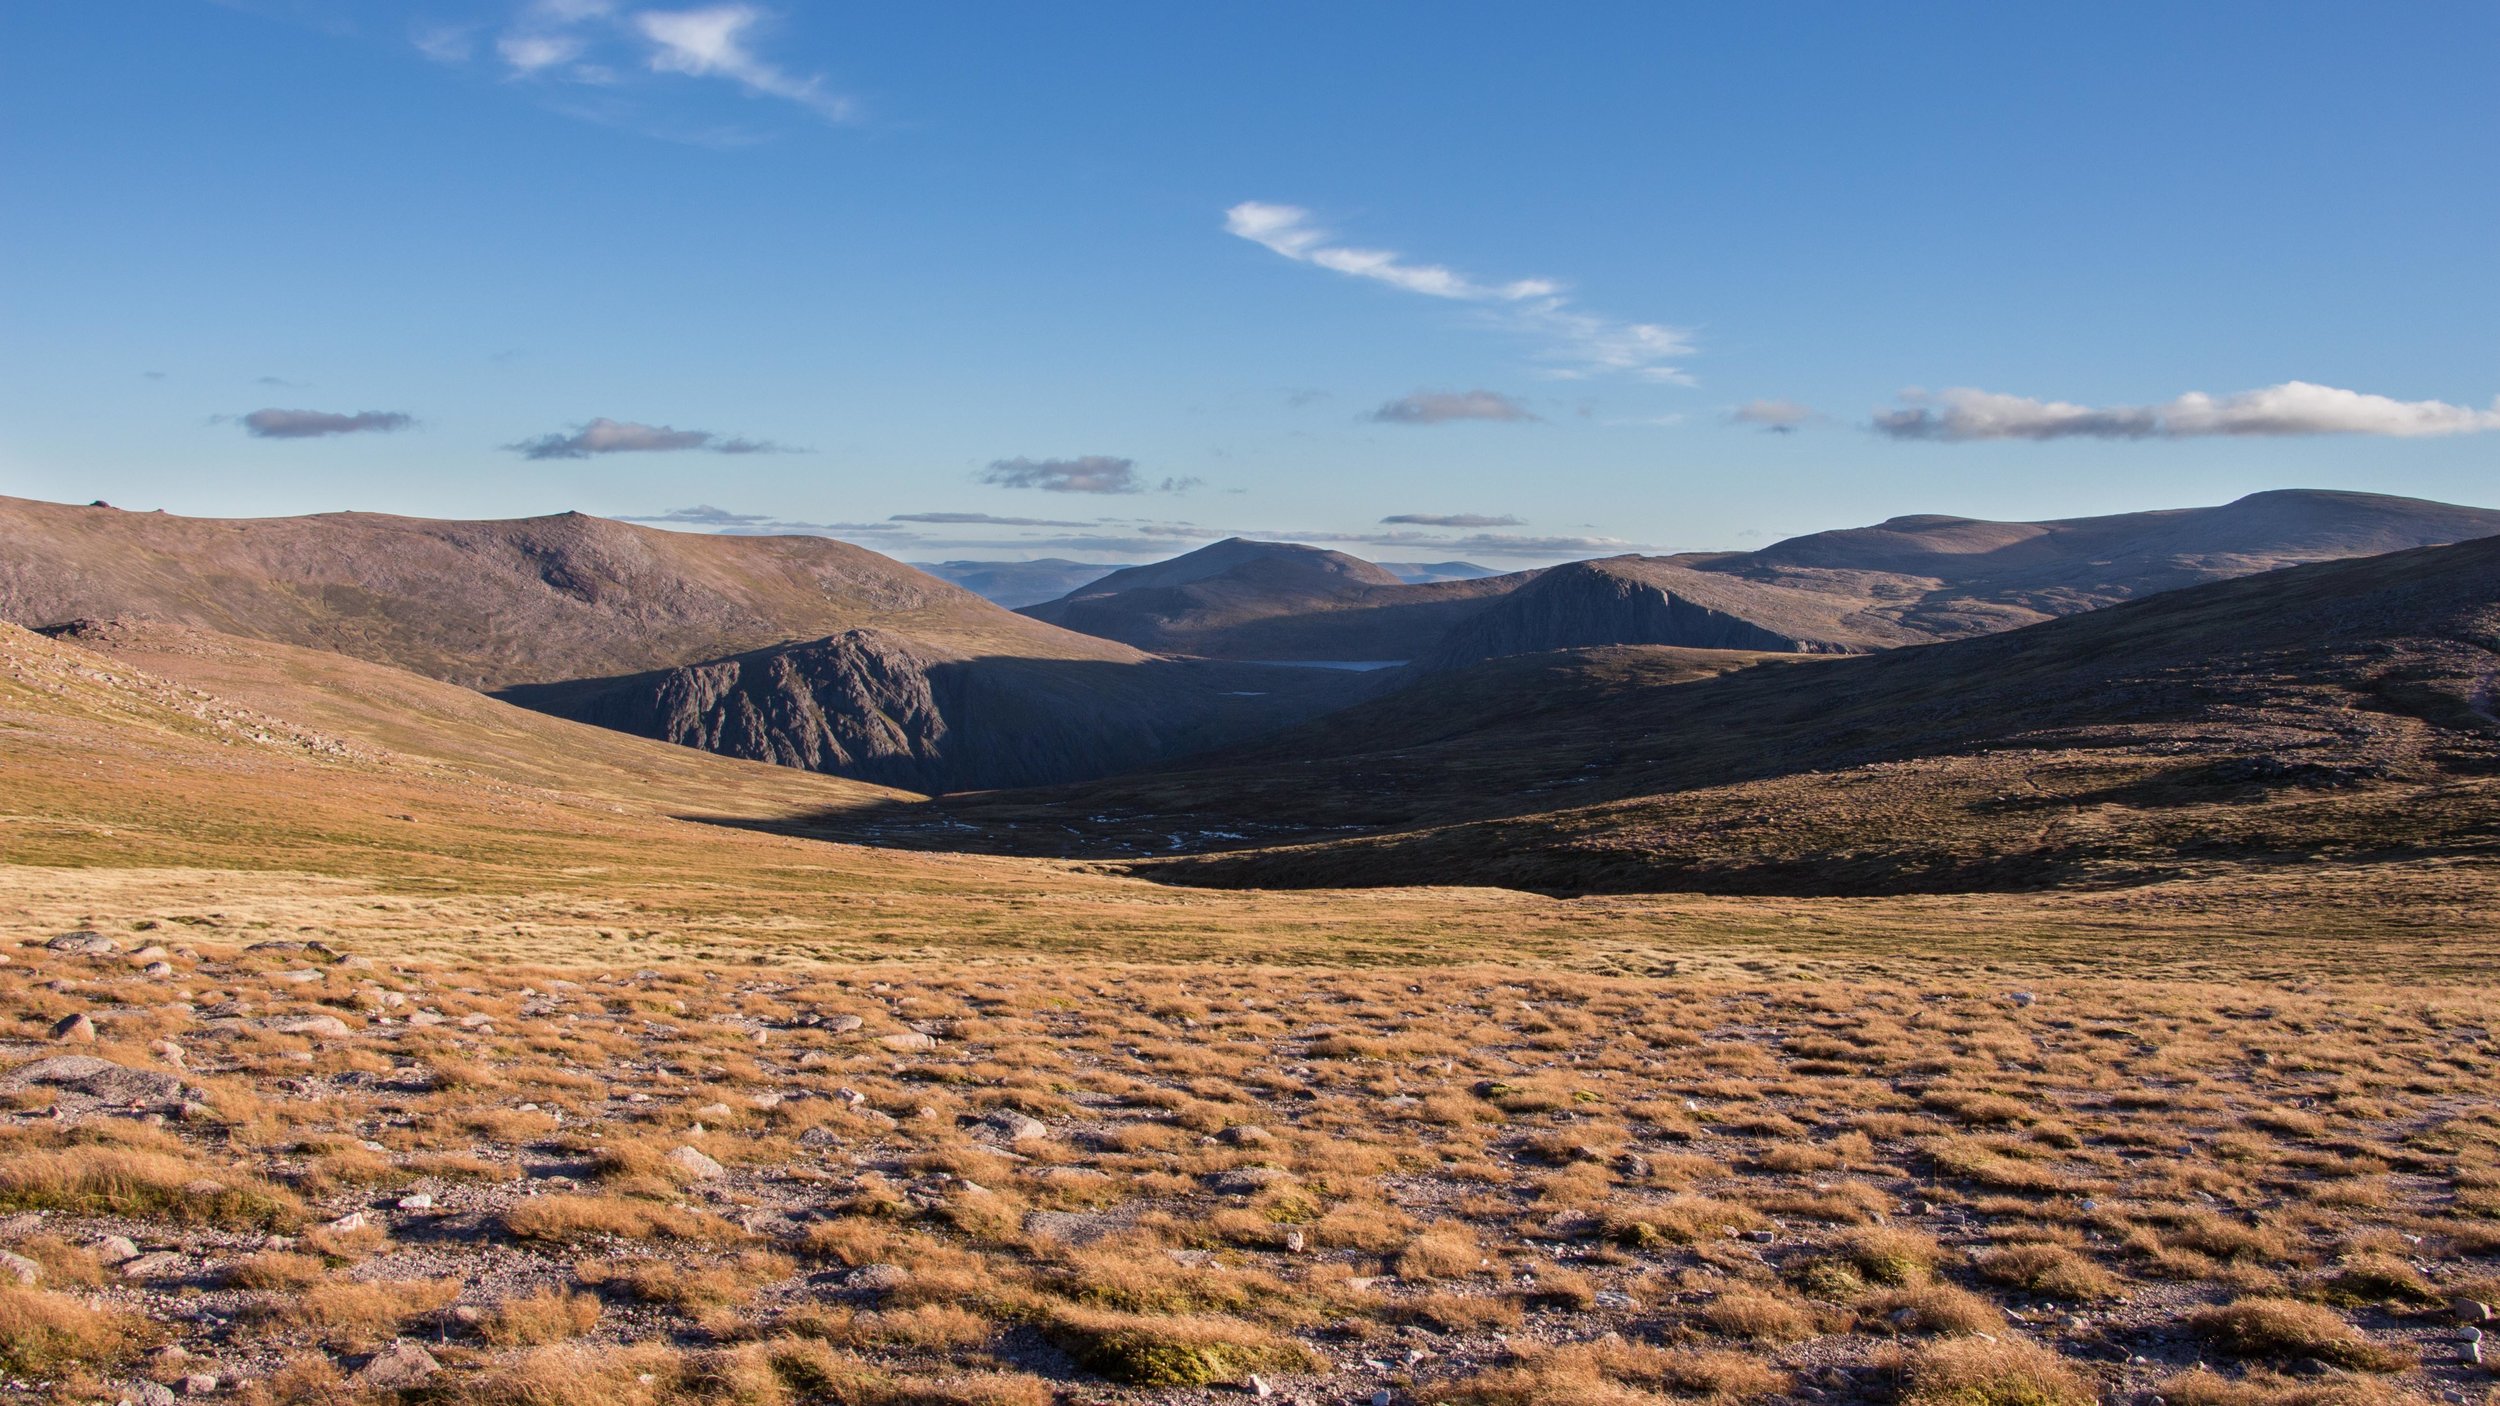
[(1175, 1351), (538, 1319), (119, 1181), (43, 1334), (353, 1313), (2289, 1329), (2008, 1372), (566, 1219)]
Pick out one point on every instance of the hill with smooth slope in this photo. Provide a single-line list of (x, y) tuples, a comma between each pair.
[(1921, 578), (1241, 599), (488, 604)]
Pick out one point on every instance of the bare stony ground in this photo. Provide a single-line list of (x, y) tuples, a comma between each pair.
[(288, 1173)]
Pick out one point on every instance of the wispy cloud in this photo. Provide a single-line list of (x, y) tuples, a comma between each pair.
[(2292, 408), (984, 519), (1442, 407), (313, 424), (754, 524), (595, 47), (1776, 416), (712, 43), (606, 436), (1572, 340), (1451, 520)]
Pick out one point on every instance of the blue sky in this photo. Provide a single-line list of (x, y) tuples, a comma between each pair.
[(1570, 279)]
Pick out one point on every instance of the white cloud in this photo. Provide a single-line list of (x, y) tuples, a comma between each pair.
[(2292, 408), (1576, 342), (594, 44), (710, 42), (1442, 407)]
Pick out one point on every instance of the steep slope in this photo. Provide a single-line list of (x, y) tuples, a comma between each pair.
[(1241, 599), (450, 731), (875, 705), (2349, 710), (488, 604)]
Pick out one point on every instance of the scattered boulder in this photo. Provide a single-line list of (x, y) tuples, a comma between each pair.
[(84, 943), (74, 1030), (399, 1367), (200, 1384), (1016, 1126), (843, 1024), (908, 1040), (1245, 1135), (323, 1026), (143, 1392), (692, 1162), (115, 1249), (16, 1266), (97, 1078)]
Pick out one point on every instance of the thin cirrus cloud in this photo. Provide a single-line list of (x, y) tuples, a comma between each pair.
[(314, 424), (599, 45), (984, 519), (1574, 342), (1443, 407), (1962, 415), (1775, 416), (606, 436), (1450, 520)]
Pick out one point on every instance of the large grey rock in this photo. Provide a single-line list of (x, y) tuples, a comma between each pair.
[(84, 942), (97, 1078)]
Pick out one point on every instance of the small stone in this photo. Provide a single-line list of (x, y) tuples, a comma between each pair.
[(843, 1024), (301, 976), (417, 1201), (161, 1264), (714, 1110), (477, 1020), (2470, 1311), (468, 1315), (876, 1279), (1294, 1241), (398, 1367), (159, 970), (1245, 1135), (908, 1040), (1258, 1387), (346, 1224), (1382, 1397), (18, 1267), (115, 1249), (1763, 1237), (74, 1030), (693, 1163), (84, 942), (200, 1384), (147, 1393)]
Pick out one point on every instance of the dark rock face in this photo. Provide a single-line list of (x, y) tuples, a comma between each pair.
[(874, 707)]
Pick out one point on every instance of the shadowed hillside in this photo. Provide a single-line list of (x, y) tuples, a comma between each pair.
[(872, 705), (2340, 709)]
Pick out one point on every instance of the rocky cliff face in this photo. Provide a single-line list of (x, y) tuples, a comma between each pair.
[(1590, 603), (872, 706)]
